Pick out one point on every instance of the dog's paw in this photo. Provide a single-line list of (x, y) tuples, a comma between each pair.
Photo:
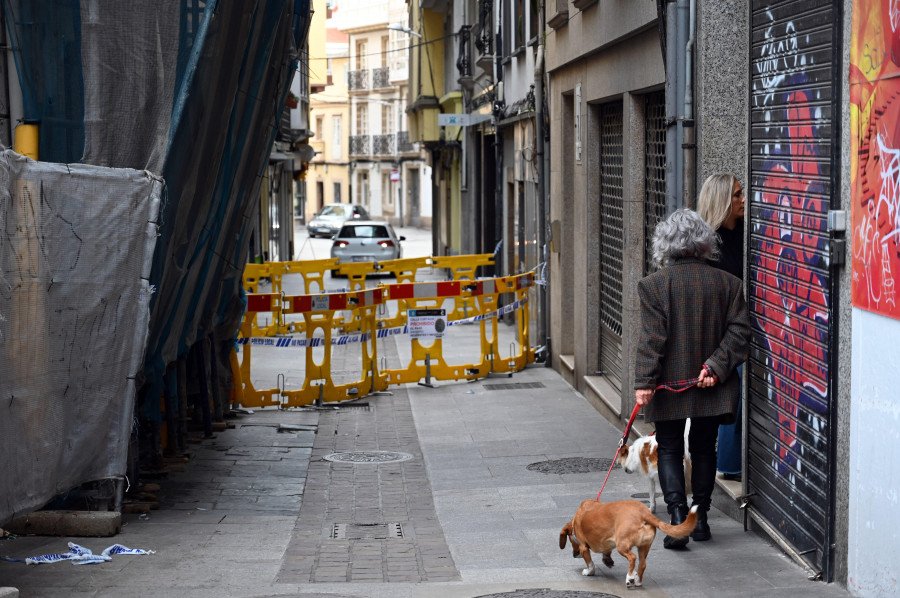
[(632, 582), (588, 571), (607, 560)]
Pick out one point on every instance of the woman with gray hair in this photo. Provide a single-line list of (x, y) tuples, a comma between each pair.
[(694, 323)]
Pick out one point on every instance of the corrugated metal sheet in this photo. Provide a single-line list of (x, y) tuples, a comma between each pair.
[(789, 403)]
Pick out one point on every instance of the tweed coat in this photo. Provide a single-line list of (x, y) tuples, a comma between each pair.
[(691, 314)]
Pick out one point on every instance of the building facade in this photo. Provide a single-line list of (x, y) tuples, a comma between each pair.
[(388, 174)]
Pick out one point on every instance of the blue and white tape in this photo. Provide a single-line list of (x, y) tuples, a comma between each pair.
[(284, 342), (79, 555)]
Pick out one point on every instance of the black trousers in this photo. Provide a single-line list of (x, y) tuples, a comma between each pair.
[(670, 452)]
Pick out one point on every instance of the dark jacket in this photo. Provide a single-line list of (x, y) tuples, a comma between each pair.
[(691, 314)]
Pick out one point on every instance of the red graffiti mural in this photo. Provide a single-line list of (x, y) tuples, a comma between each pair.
[(875, 168), (789, 286)]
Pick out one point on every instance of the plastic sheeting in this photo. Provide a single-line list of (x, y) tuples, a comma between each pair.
[(190, 89), (76, 245)]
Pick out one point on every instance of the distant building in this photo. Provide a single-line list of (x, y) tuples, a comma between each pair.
[(388, 174)]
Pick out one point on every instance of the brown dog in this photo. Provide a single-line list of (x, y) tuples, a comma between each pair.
[(621, 524)]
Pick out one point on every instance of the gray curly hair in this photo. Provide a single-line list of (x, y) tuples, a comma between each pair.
[(684, 234)]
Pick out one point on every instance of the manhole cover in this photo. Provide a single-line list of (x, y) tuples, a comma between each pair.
[(514, 386), (544, 593), (366, 531), (374, 457), (571, 465)]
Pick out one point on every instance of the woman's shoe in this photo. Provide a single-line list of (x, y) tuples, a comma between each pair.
[(701, 533), (679, 514), (732, 477)]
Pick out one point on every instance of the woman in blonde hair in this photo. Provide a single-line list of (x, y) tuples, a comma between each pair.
[(721, 205)]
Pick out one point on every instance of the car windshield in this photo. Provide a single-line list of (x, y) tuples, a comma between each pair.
[(364, 232), (338, 210)]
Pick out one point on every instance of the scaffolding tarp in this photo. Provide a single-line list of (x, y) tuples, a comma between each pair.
[(190, 89), (76, 245)]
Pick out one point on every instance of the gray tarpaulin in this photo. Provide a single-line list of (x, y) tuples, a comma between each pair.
[(76, 246)]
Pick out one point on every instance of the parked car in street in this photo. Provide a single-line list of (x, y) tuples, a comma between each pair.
[(329, 220), (366, 241)]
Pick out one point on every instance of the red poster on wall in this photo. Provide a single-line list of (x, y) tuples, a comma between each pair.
[(875, 156)]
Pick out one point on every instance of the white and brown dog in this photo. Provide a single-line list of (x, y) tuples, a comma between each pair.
[(640, 457), (621, 525)]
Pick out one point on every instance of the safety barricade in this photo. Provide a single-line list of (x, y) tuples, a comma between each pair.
[(313, 273), (462, 267), (321, 320), (244, 391)]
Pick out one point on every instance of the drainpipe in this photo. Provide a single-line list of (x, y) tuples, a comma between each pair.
[(689, 146), (543, 204), (676, 26)]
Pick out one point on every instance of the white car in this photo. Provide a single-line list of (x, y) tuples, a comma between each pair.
[(333, 215), (366, 241)]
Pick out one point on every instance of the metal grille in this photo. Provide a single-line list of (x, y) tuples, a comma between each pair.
[(358, 80), (359, 145), (611, 241), (403, 142), (381, 77), (366, 531), (384, 144), (514, 386), (654, 169), (793, 180)]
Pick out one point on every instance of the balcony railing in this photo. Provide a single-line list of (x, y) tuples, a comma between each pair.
[(403, 143), (383, 145), (464, 59), (484, 35), (381, 78), (358, 80), (359, 145)]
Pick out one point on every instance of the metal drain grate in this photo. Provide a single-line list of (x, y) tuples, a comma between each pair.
[(366, 531), (514, 386), (370, 457), (571, 465)]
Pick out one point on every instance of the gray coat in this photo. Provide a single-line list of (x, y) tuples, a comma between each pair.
[(691, 314)]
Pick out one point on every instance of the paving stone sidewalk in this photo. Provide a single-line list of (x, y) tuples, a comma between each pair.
[(372, 499)]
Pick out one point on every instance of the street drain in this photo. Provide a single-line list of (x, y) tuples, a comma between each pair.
[(368, 457), (514, 386), (571, 465), (544, 593), (366, 531)]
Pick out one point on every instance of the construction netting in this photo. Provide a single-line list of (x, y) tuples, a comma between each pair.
[(76, 245), (190, 90)]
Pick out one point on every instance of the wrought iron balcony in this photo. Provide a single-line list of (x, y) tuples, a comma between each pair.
[(359, 145), (381, 78), (484, 35), (358, 80), (403, 143), (464, 59), (383, 145)]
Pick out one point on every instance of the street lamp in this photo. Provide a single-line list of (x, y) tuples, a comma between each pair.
[(399, 27)]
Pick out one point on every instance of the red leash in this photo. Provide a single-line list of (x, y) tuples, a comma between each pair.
[(679, 386)]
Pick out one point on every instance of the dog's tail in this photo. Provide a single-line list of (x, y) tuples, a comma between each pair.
[(676, 531), (568, 531)]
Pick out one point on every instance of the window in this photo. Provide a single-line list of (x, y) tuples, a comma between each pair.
[(386, 188), (387, 119), (362, 49), (519, 25), (363, 197), (533, 19), (337, 193), (385, 49), (362, 119), (329, 70), (336, 149), (319, 120)]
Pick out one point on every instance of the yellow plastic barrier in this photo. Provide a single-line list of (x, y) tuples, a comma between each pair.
[(321, 318), (463, 267), (245, 393), (318, 312)]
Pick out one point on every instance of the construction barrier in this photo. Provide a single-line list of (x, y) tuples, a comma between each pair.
[(474, 302)]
